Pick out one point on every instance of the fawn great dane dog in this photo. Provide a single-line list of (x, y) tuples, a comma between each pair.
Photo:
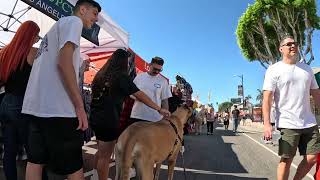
[(144, 144)]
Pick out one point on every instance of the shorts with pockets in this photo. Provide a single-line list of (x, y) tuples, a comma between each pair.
[(57, 143), (306, 140)]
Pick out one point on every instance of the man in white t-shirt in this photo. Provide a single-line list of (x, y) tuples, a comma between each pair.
[(53, 101), (289, 84), (156, 87)]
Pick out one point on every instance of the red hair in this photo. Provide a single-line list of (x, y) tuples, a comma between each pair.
[(15, 53)]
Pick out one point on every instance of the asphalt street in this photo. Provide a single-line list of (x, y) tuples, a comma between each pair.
[(222, 156)]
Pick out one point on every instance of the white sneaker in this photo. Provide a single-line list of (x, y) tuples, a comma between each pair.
[(94, 174), (132, 172)]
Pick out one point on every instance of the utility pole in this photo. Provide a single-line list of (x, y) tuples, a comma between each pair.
[(242, 90)]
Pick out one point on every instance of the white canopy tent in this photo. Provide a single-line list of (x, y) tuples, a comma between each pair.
[(14, 12)]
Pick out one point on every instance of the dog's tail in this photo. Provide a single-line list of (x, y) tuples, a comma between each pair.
[(124, 154)]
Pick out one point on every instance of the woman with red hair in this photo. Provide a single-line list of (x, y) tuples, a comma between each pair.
[(16, 61)]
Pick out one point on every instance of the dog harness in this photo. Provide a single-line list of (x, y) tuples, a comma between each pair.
[(176, 141)]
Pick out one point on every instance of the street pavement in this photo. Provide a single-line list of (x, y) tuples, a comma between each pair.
[(222, 156)]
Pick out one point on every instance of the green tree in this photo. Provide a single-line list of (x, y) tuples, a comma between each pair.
[(224, 106), (263, 24), (247, 99)]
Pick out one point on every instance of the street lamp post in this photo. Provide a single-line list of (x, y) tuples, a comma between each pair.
[(242, 93)]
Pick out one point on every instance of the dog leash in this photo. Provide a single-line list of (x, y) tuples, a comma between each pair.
[(182, 148), (182, 157), (176, 141)]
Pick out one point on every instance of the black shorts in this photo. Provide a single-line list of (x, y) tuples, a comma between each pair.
[(106, 134), (56, 143), (226, 123)]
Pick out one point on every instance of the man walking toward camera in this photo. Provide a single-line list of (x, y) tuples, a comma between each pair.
[(235, 118), (289, 84)]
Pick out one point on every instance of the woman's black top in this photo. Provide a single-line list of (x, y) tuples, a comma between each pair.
[(107, 102), (18, 80)]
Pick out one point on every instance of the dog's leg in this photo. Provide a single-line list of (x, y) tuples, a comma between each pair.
[(123, 164), (144, 168), (157, 171), (171, 165), (118, 165)]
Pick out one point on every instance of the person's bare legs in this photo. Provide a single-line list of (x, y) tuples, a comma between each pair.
[(78, 175), (105, 150), (305, 165), (284, 168), (34, 171)]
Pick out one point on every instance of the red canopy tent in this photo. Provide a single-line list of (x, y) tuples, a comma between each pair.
[(97, 60)]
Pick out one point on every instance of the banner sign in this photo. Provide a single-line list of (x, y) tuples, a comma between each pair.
[(240, 90), (57, 9), (236, 100)]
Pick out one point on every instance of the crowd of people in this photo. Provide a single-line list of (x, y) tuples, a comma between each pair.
[(44, 111)]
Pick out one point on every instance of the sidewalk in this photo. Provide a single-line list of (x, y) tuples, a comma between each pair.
[(251, 126)]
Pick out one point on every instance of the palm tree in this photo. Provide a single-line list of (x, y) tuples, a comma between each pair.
[(259, 96), (224, 106), (247, 99)]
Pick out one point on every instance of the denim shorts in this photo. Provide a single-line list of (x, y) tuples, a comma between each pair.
[(14, 125)]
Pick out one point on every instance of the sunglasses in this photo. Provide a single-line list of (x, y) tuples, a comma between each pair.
[(289, 44)]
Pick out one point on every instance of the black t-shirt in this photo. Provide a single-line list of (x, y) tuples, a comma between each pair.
[(106, 110), (18, 81), (235, 114)]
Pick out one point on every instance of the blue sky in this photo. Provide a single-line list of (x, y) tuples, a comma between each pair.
[(197, 40)]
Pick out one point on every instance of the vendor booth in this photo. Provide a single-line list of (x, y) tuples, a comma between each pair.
[(105, 35), (97, 60)]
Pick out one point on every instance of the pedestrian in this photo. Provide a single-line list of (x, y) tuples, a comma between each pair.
[(109, 88), (16, 61), (226, 119), (199, 118), (210, 120), (53, 100), (156, 87), (289, 84), (235, 118)]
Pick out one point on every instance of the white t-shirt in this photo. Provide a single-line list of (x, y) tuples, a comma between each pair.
[(157, 89), (291, 84), (46, 95)]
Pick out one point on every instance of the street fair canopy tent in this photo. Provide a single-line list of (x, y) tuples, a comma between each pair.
[(97, 60), (111, 36), (14, 12)]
